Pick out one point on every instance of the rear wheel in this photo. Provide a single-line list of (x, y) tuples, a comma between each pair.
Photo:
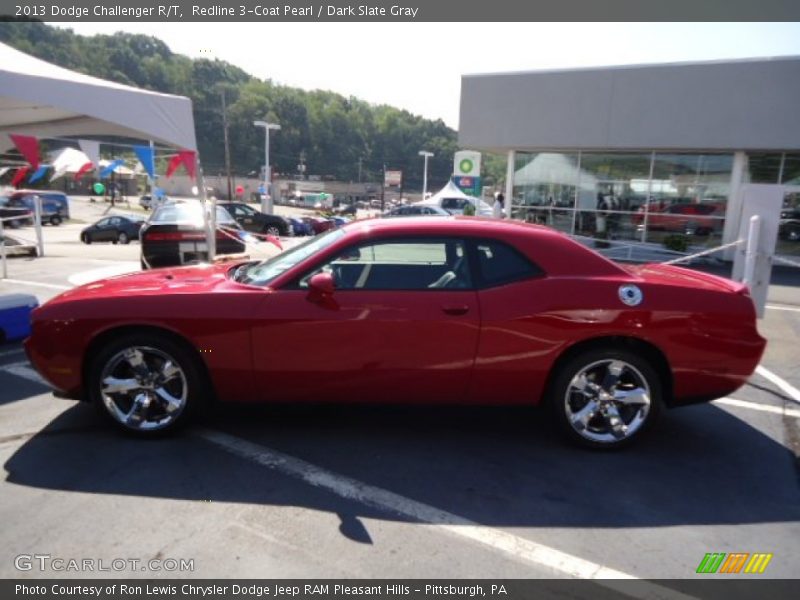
[(123, 238), (606, 398), (56, 220), (272, 230), (146, 384)]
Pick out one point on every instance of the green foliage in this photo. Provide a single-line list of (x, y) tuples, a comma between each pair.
[(469, 210), (677, 242), (332, 132)]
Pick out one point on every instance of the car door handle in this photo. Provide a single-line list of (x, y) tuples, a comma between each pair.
[(455, 309)]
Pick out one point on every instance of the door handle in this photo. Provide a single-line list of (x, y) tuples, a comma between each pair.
[(456, 309)]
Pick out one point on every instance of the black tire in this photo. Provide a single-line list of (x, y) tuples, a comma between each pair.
[(86, 238), (565, 402), (56, 220), (192, 381), (123, 238), (272, 230)]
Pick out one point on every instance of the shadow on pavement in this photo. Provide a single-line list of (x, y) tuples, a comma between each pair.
[(499, 467)]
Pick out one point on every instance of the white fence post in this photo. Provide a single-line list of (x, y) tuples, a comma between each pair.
[(751, 251), (3, 249), (37, 223)]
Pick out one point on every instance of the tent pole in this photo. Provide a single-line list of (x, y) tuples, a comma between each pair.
[(209, 213)]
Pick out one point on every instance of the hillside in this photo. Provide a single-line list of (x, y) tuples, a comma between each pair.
[(332, 132)]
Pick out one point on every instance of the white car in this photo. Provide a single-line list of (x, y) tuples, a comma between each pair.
[(455, 205)]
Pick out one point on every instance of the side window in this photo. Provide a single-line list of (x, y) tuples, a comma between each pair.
[(499, 263), (400, 265), (104, 223), (115, 221)]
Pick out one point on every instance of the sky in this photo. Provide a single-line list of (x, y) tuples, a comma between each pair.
[(418, 66)]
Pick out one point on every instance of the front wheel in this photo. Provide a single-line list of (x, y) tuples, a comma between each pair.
[(606, 398), (146, 384)]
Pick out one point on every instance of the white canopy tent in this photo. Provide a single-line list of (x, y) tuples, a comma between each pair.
[(451, 190), (44, 100)]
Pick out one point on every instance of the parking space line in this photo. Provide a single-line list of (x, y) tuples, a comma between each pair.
[(23, 369), (517, 547), (784, 385), (782, 307), (53, 286), (12, 352), (778, 410)]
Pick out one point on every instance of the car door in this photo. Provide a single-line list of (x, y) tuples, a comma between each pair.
[(401, 326), (246, 217), (102, 231)]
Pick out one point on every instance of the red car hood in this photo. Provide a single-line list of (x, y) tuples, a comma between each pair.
[(679, 276), (179, 280)]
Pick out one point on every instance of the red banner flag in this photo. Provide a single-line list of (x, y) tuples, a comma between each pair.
[(187, 157), (28, 146), (83, 170), (173, 164), (19, 177)]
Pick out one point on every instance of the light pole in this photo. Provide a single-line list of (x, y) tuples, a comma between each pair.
[(266, 201), (427, 155)]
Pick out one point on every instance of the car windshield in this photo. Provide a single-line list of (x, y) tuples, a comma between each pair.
[(262, 273)]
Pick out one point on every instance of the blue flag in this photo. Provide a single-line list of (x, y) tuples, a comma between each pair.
[(39, 173), (146, 156), (107, 170)]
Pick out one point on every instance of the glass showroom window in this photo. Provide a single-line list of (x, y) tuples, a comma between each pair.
[(688, 196), (790, 171), (613, 187), (763, 167), (545, 184)]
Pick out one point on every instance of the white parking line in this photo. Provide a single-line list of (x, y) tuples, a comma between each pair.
[(24, 370), (11, 352), (517, 547), (777, 410), (782, 307), (53, 286), (784, 385)]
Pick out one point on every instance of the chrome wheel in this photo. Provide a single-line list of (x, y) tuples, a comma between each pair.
[(607, 401), (143, 388), (273, 230)]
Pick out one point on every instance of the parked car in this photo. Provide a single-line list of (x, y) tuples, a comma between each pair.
[(319, 224), (147, 201), (23, 204), (256, 221), (690, 218), (300, 227), (16, 246), (175, 235), (789, 229), (53, 201), (416, 210), (114, 229), (455, 205), (346, 209), (456, 310), (339, 221), (14, 215)]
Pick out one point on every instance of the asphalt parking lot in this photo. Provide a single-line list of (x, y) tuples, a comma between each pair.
[(364, 491)]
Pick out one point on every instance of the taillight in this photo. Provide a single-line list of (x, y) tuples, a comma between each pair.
[(174, 236)]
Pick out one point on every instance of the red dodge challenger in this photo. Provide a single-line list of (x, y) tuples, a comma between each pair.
[(423, 310)]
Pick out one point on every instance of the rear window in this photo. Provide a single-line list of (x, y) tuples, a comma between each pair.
[(187, 213), (499, 263)]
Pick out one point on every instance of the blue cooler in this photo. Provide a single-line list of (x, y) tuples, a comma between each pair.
[(15, 316)]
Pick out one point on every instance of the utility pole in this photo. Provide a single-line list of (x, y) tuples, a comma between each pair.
[(301, 168), (383, 189), (227, 145), (359, 170)]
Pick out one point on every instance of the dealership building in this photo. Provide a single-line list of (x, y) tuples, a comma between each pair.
[(637, 153)]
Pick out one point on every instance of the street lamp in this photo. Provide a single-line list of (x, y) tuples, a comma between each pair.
[(266, 200), (427, 155)]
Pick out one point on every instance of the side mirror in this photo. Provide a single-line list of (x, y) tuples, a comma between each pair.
[(322, 284)]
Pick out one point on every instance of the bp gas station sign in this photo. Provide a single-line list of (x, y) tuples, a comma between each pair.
[(467, 172)]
